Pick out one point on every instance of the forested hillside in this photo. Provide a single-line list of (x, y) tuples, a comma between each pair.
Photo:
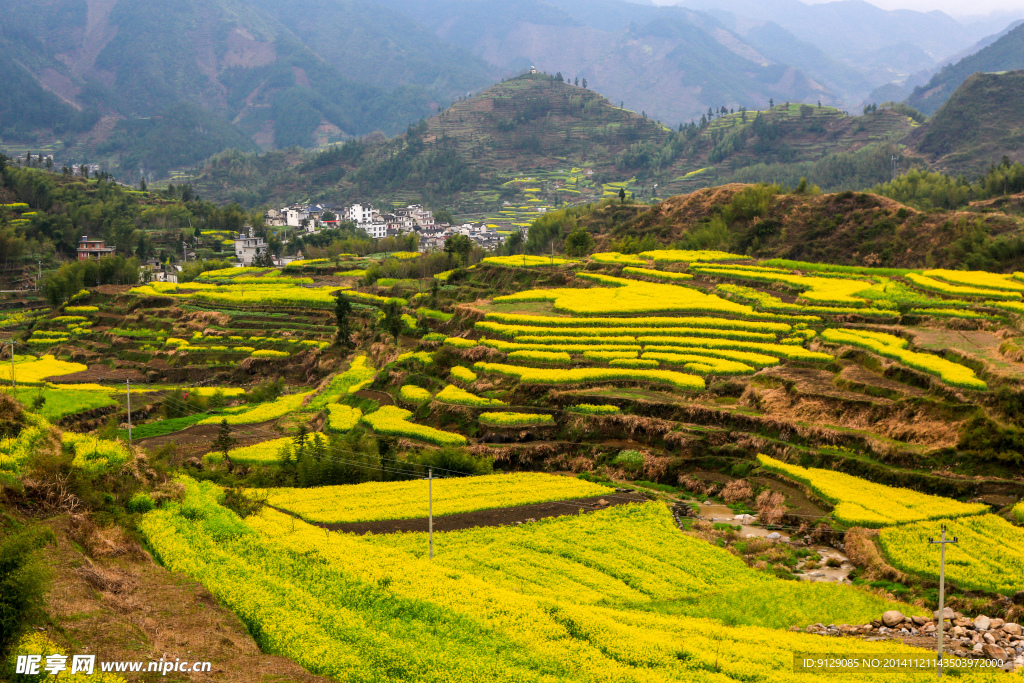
[(100, 84)]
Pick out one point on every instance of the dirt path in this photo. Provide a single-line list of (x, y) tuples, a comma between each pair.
[(492, 517), (196, 439), (380, 397), (120, 605)]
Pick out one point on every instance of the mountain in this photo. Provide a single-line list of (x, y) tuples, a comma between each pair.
[(979, 124), (670, 62), (537, 142), (293, 72), (850, 29), (1005, 54)]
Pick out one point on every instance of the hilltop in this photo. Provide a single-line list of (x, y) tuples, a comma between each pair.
[(977, 126), (538, 139)]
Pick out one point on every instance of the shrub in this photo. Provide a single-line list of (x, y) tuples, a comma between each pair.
[(140, 502), (23, 583), (737, 490), (631, 460)]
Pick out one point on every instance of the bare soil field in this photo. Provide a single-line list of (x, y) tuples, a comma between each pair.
[(493, 517)]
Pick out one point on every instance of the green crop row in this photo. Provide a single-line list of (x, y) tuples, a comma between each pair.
[(585, 375), (394, 421), (463, 374), (645, 322), (657, 274), (949, 372), (540, 356), (516, 419)]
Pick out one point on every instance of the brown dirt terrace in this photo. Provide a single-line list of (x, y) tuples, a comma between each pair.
[(493, 517)]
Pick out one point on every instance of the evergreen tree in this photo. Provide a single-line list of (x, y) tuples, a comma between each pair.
[(342, 314), (224, 441), (392, 322)]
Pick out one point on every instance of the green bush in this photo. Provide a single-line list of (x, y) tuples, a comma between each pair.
[(629, 460), (141, 503), (23, 581)]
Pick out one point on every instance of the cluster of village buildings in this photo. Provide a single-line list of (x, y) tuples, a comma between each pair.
[(377, 224), (310, 218)]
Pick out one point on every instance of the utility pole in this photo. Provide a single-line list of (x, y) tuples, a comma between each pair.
[(894, 166), (128, 388), (14, 385), (942, 590), (430, 504), (39, 274)]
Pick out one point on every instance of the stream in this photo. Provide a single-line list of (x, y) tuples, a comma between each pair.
[(714, 512)]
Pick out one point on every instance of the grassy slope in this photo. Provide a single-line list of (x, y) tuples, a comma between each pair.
[(843, 228)]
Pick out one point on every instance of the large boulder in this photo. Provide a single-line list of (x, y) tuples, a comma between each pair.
[(993, 651), (982, 623), (1012, 629), (893, 618)]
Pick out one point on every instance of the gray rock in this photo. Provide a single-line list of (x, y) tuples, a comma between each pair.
[(893, 618), (982, 623), (774, 536), (947, 613)]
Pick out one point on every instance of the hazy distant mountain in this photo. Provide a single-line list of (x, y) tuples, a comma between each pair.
[(1004, 54), (288, 72), (897, 91), (669, 62), (848, 29)]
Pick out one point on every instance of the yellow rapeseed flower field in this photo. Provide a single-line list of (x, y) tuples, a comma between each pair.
[(863, 503)]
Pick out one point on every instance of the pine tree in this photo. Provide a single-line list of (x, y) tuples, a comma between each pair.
[(224, 441), (342, 313)]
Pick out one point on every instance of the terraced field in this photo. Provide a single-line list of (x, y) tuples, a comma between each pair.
[(832, 403)]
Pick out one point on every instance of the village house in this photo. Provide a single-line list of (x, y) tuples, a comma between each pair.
[(248, 247), (93, 249)]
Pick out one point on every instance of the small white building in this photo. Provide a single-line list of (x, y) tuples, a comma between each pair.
[(275, 218), (360, 213), (375, 229), (248, 247), (294, 215)]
